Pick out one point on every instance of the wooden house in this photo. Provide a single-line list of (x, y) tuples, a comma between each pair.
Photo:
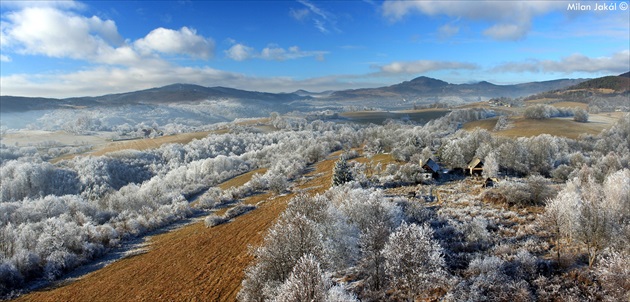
[(475, 167), (430, 166)]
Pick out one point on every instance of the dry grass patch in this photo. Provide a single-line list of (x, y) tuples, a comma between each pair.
[(152, 143), (142, 144), (487, 124), (240, 180), (540, 101), (565, 127), (378, 117), (570, 105)]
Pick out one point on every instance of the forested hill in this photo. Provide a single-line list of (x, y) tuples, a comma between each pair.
[(175, 93), (619, 83), (429, 87), (613, 91)]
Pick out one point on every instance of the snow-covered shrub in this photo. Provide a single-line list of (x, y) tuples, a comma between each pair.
[(580, 115), (487, 281), (238, 210), (613, 273), (214, 220), (338, 294), (278, 183)]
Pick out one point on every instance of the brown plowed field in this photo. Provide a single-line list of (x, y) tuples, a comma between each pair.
[(193, 263)]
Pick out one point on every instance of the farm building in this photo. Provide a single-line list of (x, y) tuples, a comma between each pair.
[(475, 167), (430, 166)]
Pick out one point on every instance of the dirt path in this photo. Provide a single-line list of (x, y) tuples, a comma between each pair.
[(193, 263)]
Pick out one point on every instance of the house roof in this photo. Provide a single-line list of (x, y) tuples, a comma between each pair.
[(431, 165), (474, 163)]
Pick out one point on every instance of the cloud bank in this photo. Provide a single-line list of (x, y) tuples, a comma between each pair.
[(423, 66), (511, 19), (52, 32), (616, 63), (273, 52)]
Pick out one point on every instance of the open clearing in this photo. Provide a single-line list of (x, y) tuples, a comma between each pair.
[(193, 263), (151, 143), (566, 127), (487, 124), (570, 105), (50, 138), (378, 117)]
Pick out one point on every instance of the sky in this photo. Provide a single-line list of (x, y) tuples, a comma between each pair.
[(90, 48)]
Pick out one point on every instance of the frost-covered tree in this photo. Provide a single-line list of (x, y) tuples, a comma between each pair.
[(490, 166), (341, 172), (285, 243), (591, 213), (306, 283), (580, 115), (539, 189), (414, 261), (559, 218)]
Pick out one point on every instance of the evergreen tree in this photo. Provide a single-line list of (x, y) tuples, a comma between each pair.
[(341, 172)]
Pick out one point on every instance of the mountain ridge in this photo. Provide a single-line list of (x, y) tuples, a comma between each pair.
[(417, 88), (429, 87)]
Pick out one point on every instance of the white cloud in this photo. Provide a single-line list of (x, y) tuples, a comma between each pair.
[(299, 14), (55, 33), (512, 19), (507, 32), (273, 52), (239, 52), (323, 20), (182, 41), (124, 79), (616, 63), (61, 4), (4, 58), (422, 66), (52, 32)]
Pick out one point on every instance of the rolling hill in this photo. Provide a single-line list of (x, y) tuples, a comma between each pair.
[(618, 84), (421, 87), (614, 89), (175, 93), (429, 87)]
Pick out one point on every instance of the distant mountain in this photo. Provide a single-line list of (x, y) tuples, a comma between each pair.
[(429, 87), (419, 88), (175, 93), (181, 93), (625, 75)]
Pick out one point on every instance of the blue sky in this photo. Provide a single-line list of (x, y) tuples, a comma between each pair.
[(71, 48)]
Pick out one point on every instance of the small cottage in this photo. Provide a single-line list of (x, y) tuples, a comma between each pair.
[(430, 166), (475, 167)]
